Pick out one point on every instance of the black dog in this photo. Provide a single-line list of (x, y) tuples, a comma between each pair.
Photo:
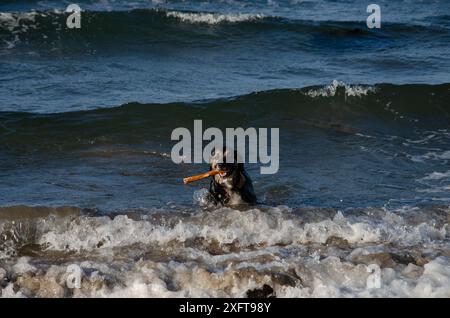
[(234, 185)]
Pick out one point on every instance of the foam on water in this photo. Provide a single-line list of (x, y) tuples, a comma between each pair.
[(226, 252), (229, 226), (16, 24), (436, 182), (437, 175), (13, 21), (350, 90), (213, 18)]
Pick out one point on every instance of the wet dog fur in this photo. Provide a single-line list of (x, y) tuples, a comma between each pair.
[(234, 186)]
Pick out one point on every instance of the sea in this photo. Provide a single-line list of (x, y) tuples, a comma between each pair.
[(92, 204)]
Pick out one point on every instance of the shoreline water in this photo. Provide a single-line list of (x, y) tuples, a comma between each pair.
[(92, 205), (226, 253)]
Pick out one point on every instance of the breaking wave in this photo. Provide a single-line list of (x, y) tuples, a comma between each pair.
[(298, 252), (213, 18), (47, 31), (338, 106)]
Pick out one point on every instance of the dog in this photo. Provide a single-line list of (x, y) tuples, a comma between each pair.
[(233, 186)]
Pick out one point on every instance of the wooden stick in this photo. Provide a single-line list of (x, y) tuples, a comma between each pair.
[(201, 176)]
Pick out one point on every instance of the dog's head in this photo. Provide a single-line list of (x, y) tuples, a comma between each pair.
[(229, 162)]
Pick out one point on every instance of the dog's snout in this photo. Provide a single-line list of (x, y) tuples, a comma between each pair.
[(225, 166)]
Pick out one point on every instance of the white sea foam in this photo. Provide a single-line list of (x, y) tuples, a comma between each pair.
[(226, 252), (227, 226), (23, 266), (437, 176), (330, 276), (350, 90), (16, 24), (213, 18)]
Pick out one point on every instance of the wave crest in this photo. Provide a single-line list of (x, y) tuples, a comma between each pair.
[(228, 227), (349, 90), (213, 18), (227, 253)]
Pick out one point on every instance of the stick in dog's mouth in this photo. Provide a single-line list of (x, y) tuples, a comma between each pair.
[(204, 175)]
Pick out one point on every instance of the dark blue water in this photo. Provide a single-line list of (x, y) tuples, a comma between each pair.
[(126, 51), (364, 145)]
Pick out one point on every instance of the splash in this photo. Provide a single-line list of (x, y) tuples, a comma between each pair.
[(350, 90), (213, 18)]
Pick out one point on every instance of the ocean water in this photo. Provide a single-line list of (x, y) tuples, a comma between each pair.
[(86, 177)]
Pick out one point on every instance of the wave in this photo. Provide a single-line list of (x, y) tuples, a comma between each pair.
[(301, 252), (349, 90), (213, 18), (147, 26), (338, 107)]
